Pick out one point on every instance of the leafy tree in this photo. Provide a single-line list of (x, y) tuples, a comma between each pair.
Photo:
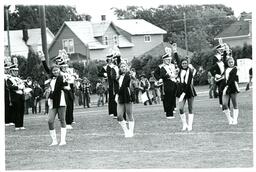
[(28, 17), (203, 22)]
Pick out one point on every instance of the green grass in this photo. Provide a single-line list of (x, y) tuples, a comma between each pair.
[(97, 141)]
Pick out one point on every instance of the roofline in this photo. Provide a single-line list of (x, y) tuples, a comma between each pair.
[(147, 34), (50, 32), (114, 26), (55, 37), (233, 37), (58, 33)]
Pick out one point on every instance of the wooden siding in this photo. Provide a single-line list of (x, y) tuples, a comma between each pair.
[(67, 34), (141, 47)]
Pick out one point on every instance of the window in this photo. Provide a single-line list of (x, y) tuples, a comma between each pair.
[(68, 45), (105, 40), (115, 38), (147, 38)]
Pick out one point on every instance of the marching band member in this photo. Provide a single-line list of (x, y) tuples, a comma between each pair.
[(186, 92), (56, 101), (112, 75), (230, 91), (144, 87), (69, 93), (168, 74), (16, 87), (9, 118), (124, 100), (218, 69)]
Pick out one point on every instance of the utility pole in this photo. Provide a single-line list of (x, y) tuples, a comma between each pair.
[(8, 28), (43, 32), (185, 30)]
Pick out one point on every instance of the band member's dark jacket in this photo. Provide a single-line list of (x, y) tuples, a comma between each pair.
[(124, 91)]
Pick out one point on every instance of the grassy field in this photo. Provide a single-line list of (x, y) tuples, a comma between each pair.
[(97, 141)]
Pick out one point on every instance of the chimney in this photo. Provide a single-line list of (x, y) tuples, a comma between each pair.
[(103, 17), (88, 18), (25, 34)]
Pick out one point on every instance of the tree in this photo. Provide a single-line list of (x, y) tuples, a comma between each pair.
[(28, 17), (203, 22)]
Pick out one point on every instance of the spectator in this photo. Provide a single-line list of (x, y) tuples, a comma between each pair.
[(85, 89), (250, 79), (37, 96), (100, 90)]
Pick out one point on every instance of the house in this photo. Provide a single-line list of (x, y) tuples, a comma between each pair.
[(238, 33), (22, 40), (92, 41), (159, 50), (142, 34)]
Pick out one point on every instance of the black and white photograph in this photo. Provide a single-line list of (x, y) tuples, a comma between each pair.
[(127, 85)]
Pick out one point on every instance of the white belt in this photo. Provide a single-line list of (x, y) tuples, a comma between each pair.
[(19, 92), (67, 88)]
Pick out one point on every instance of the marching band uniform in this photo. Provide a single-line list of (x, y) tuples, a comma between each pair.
[(16, 87), (218, 69), (9, 118), (111, 72), (57, 104), (168, 75), (124, 103), (186, 91), (69, 96), (230, 90)]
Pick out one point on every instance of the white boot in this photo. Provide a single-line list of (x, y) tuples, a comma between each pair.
[(54, 138), (227, 113), (190, 121), (124, 127), (63, 132), (184, 121), (235, 116), (131, 128)]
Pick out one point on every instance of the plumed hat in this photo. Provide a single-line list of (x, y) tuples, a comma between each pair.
[(13, 67), (168, 53)]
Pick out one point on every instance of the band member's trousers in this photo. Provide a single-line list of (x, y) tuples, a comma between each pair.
[(112, 104), (169, 98), (69, 98), (18, 110)]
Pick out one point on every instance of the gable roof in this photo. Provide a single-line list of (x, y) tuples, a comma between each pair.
[(159, 50), (34, 36), (99, 29), (87, 32), (239, 28), (138, 27), (18, 46), (84, 31)]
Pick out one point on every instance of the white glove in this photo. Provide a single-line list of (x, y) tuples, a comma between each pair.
[(217, 76)]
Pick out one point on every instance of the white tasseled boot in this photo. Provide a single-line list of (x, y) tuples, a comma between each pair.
[(235, 116), (63, 132), (227, 113), (124, 127), (131, 128), (190, 121), (54, 137), (184, 121)]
